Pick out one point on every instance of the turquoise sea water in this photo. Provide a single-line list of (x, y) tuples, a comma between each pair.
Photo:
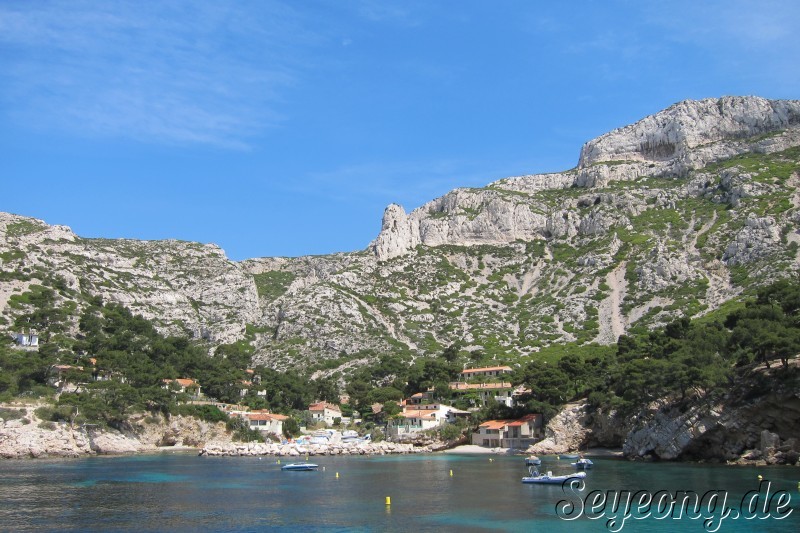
[(183, 492)]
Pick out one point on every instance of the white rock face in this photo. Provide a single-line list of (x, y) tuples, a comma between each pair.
[(757, 239), (686, 136), (28, 437), (186, 288), (672, 133), (398, 233)]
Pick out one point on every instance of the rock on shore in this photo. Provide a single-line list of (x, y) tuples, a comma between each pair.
[(30, 437), (298, 450)]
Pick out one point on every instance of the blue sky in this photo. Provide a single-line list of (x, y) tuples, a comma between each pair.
[(284, 128)]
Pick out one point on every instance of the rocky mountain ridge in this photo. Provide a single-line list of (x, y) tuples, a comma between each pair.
[(672, 215)]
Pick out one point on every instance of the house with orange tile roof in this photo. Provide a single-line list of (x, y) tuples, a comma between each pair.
[(518, 434), (416, 418), (266, 422), (485, 372), (420, 398), (501, 391), (324, 412), (66, 378), (185, 385)]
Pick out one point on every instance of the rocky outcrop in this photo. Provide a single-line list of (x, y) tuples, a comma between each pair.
[(755, 240), (185, 288), (738, 428), (756, 422), (670, 135), (687, 136), (577, 427), (30, 437)]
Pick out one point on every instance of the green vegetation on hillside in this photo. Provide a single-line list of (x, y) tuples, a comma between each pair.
[(684, 358)]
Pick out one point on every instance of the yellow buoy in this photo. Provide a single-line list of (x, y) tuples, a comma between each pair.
[(388, 500), (759, 477), (337, 475), (451, 473)]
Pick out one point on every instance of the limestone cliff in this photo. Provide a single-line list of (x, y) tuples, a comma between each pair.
[(26, 436), (687, 136), (671, 216), (757, 421)]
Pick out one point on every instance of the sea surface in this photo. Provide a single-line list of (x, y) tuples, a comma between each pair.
[(437, 492)]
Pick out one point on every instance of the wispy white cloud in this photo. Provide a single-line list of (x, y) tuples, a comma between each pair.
[(743, 23), (178, 72), (410, 183)]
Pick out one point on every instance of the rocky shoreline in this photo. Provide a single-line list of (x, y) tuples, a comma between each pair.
[(23, 435), (299, 450)]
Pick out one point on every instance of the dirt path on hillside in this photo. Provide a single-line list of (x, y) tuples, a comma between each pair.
[(793, 236), (719, 283), (612, 323)]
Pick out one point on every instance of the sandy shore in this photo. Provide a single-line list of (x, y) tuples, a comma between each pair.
[(471, 448)]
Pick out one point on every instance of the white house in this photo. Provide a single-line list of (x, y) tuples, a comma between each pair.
[(416, 418), (28, 340), (518, 434), (501, 392), (485, 372), (189, 386), (265, 422), (324, 412)]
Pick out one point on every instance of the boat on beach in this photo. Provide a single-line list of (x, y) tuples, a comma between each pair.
[(549, 478), (300, 466)]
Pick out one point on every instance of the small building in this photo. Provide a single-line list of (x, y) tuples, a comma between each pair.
[(27, 340), (486, 372), (324, 412), (420, 398), (185, 385), (265, 421), (453, 415), (518, 434), (490, 433), (416, 418), (501, 392), (59, 375)]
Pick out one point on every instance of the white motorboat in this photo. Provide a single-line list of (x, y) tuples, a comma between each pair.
[(583, 463), (550, 479), (300, 466)]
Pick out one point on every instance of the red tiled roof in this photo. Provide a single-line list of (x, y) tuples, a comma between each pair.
[(321, 406), (265, 416), (416, 413), (486, 369), (480, 386), (495, 424)]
